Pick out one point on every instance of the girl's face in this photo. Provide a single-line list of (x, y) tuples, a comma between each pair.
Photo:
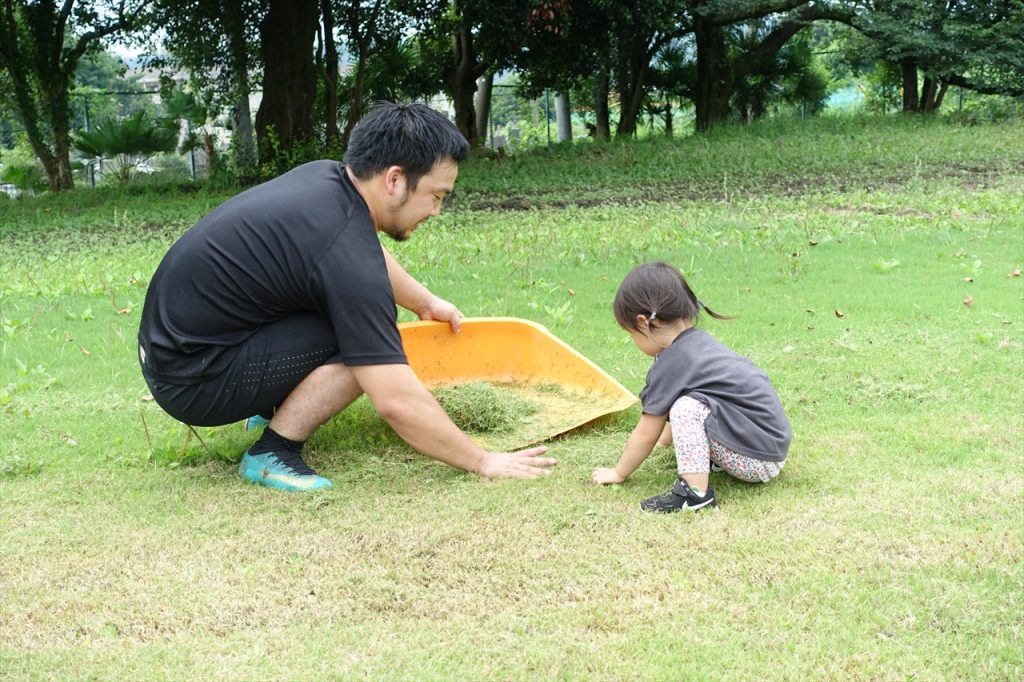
[(654, 338), (645, 341)]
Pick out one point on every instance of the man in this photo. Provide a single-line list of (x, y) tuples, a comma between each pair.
[(281, 303)]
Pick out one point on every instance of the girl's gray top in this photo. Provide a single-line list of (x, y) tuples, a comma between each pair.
[(746, 413)]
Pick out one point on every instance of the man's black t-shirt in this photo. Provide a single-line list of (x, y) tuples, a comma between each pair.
[(303, 242)]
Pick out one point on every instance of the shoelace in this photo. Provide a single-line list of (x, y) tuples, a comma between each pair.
[(294, 461)]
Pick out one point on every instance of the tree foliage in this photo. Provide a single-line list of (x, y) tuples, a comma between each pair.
[(978, 46), (733, 59), (41, 46), (217, 43)]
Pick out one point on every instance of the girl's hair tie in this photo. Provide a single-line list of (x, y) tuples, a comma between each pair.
[(654, 314)]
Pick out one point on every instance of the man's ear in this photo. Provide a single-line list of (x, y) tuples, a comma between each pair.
[(393, 177)]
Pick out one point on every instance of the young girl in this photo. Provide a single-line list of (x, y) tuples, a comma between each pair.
[(721, 409)]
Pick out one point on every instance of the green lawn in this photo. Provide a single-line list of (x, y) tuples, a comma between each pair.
[(873, 269)]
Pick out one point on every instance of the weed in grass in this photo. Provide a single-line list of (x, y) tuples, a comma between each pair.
[(886, 266), (16, 465)]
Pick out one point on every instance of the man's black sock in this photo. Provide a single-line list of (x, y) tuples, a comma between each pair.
[(272, 441)]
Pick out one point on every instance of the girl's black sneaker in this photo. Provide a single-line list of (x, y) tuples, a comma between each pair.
[(681, 497)]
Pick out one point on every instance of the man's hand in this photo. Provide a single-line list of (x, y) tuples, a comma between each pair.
[(441, 311), (606, 476), (522, 464)]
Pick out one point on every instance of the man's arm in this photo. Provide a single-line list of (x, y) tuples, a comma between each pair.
[(404, 403), (413, 296)]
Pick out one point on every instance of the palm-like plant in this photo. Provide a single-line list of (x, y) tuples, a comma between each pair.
[(126, 143), (182, 107), (790, 76)]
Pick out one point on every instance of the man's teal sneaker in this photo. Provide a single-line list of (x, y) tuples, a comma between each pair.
[(257, 421), (284, 471)]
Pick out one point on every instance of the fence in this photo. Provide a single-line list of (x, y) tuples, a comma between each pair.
[(89, 107)]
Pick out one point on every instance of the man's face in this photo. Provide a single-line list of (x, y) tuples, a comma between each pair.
[(406, 213)]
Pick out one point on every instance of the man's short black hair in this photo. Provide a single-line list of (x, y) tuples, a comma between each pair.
[(412, 136)]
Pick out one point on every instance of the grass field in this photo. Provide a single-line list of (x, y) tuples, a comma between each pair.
[(873, 269)]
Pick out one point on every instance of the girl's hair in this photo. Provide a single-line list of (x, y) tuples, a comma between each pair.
[(412, 136), (660, 293)]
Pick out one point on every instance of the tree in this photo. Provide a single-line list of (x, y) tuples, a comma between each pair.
[(456, 23), (329, 67), (220, 59), (602, 44), (672, 76), (370, 27), (285, 117), (469, 39), (640, 36), (40, 49), (938, 43), (102, 69), (719, 70), (395, 71), (790, 76)]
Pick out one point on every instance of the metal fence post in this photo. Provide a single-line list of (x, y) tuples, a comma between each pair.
[(547, 114), (192, 149), (90, 170)]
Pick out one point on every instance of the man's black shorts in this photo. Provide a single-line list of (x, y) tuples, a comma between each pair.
[(264, 371)]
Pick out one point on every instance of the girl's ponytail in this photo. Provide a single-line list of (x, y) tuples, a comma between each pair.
[(657, 291)]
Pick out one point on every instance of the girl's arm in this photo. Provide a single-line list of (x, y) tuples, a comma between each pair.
[(638, 447)]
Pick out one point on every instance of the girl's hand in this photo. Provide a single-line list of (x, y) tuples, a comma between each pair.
[(606, 476)]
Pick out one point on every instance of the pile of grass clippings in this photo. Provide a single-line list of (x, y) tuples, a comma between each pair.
[(481, 407)]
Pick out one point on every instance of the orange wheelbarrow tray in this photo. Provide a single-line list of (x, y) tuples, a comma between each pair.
[(520, 356)]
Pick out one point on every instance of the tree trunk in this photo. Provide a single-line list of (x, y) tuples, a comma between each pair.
[(758, 106), (36, 139), (330, 77), (49, 162), (54, 154), (714, 79), (483, 105), (62, 144), (942, 94), (463, 84), (563, 117), (602, 131), (355, 107), (908, 72), (632, 97), (289, 76), (929, 91), (243, 145), (242, 142), (669, 132), (631, 105), (361, 30), (58, 111)]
